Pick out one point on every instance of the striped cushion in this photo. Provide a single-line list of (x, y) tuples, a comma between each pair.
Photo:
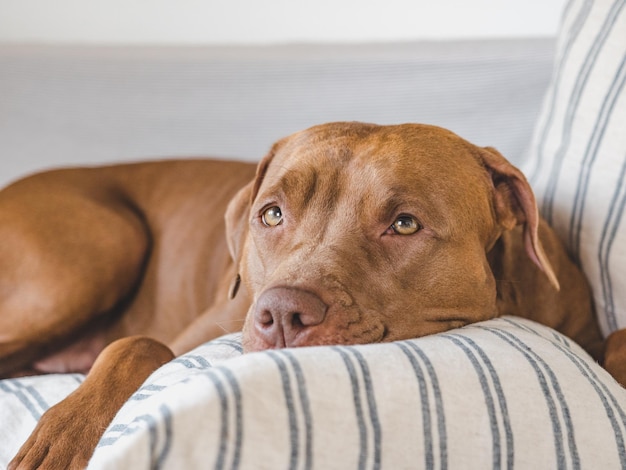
[(499, 394), (577, 164)]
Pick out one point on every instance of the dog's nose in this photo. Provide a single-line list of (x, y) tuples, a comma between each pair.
[(283, 315)]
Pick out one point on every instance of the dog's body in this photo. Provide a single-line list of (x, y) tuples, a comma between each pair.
[(348, 233), (129, 249)]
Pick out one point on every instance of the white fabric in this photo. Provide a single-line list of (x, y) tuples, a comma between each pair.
[(82, 105), (577, 164), (506, 393)]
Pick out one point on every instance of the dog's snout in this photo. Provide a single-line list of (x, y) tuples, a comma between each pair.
[(284, 315)]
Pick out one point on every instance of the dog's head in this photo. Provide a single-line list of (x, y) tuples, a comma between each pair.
[(356, 233)]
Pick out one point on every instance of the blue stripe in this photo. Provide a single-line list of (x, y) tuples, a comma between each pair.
[(233, 343), (611, 225), (234, 385), (107, 441), (605, 396), (609, 402), (371, 402), (224, 411), (289, 403), (34, 404), (572, 35), (141, 395), (561, 339), (306, 408), (441, 422), (504, 411), (120, 430), (426, 420), (167, 436), (36, 396), (358, 406), (590, 156), (579, 86), (151, 424), (489, 401), (534, 360), (356, 392), (153, 429), (187, 360)]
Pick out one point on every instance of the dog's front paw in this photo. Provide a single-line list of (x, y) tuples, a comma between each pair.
[(67, 434), (64, 438)]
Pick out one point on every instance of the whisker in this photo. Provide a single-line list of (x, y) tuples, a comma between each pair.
[(224, 325)]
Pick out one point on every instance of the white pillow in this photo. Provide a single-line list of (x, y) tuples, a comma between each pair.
[(577, 162), (506, 393)]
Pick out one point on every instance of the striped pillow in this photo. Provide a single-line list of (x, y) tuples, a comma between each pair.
[(506, 393), (577, 162)]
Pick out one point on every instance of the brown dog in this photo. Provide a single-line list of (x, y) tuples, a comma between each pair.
[(348, 233)]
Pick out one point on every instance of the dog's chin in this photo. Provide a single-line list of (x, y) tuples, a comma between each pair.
[(251, 345), (254, 342)]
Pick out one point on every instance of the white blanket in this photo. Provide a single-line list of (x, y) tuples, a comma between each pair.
[(506, 393)]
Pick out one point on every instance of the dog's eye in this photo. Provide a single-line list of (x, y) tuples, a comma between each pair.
[(405, 225), (272, 216)]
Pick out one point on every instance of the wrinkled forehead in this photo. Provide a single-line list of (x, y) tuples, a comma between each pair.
[(372, 173), (385, 159)]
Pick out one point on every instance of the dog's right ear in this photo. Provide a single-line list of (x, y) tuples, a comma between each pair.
[(238, 215)]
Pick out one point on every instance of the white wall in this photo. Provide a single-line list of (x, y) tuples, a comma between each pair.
[(267, 21)]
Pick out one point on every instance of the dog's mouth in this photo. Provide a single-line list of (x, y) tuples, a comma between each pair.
[(252, 342)]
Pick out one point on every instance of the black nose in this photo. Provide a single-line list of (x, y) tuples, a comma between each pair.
[(284, 315)]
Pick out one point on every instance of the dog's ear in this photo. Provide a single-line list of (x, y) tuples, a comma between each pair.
[(238, 215), (515, 204)]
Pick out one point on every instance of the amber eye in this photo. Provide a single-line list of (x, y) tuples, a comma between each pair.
[(272, 216), (405, 225)]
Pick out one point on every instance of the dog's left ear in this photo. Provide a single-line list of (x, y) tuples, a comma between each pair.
[(515, 204), (238, 214)]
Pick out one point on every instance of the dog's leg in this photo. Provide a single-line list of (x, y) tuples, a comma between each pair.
[(66, 438), (615, 356), (72, 248), (67, 433)]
